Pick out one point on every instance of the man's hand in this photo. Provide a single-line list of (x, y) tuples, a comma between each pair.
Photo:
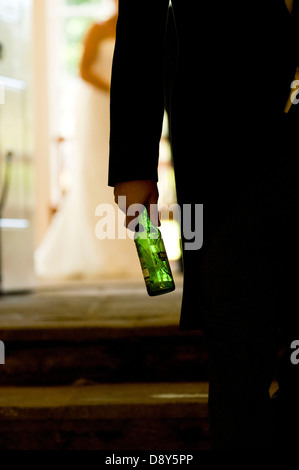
[(143, 192)]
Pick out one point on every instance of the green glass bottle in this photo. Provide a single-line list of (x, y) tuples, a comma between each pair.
[(153, 257)]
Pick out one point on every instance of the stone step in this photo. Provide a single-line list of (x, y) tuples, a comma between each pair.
[(107, 417), (103, 332)]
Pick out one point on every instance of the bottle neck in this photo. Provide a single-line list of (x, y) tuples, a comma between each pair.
[(145, 228)]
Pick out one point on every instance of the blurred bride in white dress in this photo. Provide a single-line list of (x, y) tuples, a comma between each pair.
[(71, 248)]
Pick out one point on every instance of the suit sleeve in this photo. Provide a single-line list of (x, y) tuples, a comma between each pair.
[(137, 90)]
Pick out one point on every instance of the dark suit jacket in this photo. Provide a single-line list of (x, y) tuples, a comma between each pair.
[(234, 67)]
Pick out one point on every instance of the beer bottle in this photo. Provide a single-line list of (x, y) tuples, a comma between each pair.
[(153, 257)]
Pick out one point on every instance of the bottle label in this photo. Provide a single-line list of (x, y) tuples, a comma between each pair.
[(146, 274), (162, 255)]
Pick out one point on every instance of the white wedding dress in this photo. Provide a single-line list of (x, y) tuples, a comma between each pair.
[(71, 247)]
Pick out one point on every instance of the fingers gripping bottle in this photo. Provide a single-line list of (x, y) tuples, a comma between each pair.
[(152, 256)]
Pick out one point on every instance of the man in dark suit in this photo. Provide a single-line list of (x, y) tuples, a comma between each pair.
[(234, 151)]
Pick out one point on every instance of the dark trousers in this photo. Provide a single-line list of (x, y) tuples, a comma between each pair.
[(250, 277)]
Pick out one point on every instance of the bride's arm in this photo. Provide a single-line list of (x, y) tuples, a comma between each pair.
[(293, 92), (96, 34), (289, 4)]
